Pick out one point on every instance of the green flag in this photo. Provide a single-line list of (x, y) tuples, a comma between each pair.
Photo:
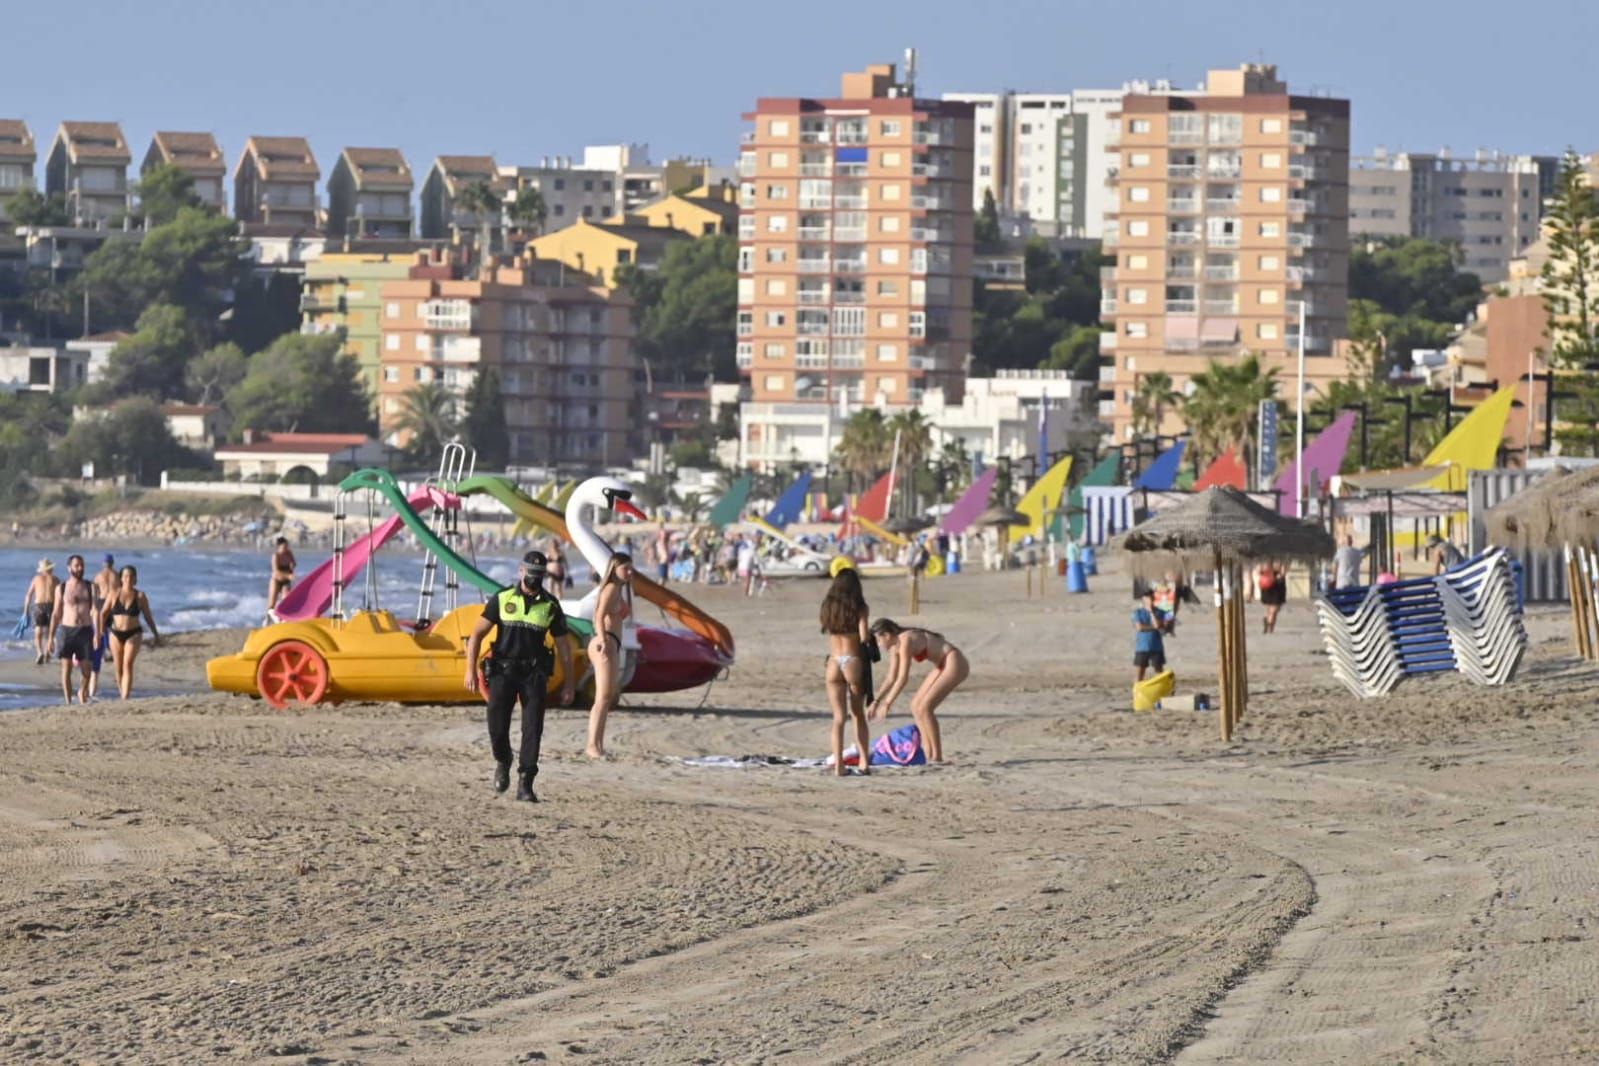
[(731, 507)]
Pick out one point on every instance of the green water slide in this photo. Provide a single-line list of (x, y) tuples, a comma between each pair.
[(383, 483)]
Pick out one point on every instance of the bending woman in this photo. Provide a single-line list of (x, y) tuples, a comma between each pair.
[(950, 668), (120, 617), (844, 619), (614, 605)]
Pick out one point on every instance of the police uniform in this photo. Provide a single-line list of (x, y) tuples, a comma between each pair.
[(519, 668)]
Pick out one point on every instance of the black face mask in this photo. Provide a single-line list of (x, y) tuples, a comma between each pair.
[(531, 583)]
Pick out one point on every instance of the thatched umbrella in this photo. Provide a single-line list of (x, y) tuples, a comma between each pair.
[(1223, 530), (904, 526), (1559, 512), (1002, 516), (1526, 521)]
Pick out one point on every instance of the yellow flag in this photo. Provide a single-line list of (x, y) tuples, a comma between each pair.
[(1043, 498), (1473, 444)]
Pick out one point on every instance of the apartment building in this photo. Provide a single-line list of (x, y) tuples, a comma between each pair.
[(17, 157), (88, 169), (275, 183), (1489, 204), (855, 257), (571, 192), (602, 248), (369, 195), (1045, 157), (449, 176), (697, 214), (196, 154), (342, 292), (564, 353), (1232, 214)]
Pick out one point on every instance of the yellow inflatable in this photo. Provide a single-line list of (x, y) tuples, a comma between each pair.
[(1148, 693)]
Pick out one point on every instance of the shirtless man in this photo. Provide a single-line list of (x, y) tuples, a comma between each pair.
[(282, 572), (75, 626), (38, 604), (106, 583)]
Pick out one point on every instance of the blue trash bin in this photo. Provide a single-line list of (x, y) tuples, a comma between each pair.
[(1076, 578), (952, 562), (1090, 563)]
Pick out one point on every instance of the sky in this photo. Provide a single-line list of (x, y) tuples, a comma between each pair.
[(523, 80)]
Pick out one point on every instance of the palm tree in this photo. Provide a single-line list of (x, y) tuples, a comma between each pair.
[(1222, 409), (528, 209), (481, 199), (428, 413), (1151, 396), (915, 435), (864, 448)]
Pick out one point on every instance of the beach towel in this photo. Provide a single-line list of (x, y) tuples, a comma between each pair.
[(23, 625), (899, 747)]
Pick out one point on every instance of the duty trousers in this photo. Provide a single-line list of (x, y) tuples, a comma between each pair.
[(506, 687)]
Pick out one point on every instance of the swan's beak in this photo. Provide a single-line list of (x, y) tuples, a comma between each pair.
[(621, 506)]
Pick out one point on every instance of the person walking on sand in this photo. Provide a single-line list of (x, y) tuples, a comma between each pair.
[(37, 604), (119, 620), (950, 668), (1273, 585), (106, 583), (75, 628), (1149, 649), (519, 668), (282, 572), (846, 619), (611, 610)]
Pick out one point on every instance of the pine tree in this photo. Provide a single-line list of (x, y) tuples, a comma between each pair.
[(987, 225), (483, 426), (1571, 301)]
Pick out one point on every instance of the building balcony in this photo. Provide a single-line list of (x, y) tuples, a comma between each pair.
[(814, 137), (1181, 270), (931, 138), (747, 137), (849, 266), (745, 359), (317, 303), (811, 296), (1297, 206), (930, 235), (931, 170), (1185, 137), (850, 233), (1182, 236), (1223, 170), (1107, 305), (815, 170), (1107, 408), (1222, 240), (813, 233), (1221, 307), (1110, 239), (930, 203), (1182, 170), (812, 329), (849, 297), (1182, 207), (849, 362), (849, 202), (1107, 373), (1221, 273), (1222, 203), (1107, 341), (1181, 307), (459, 350), (1301, 240), (1304, 138), (812, 266)]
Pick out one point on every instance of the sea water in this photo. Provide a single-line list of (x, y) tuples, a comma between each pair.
[(200, 587)]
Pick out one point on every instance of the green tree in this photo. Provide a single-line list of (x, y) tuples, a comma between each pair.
[(864, 448), (428, 416), (163, 192), (1022, 329), (915, 434), (483, 425), (302, 384), (29, 423), (527, 209), (30, 207), (211, 376), (985, 231), (1222, 408), (193, 262), (482, 200), (1153, 395), (153, 361), (1077, 352), (1571, 302), (1414, 276), (686, 308), (131, 438)]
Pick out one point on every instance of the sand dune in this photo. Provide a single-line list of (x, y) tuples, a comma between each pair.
[(197, 878)]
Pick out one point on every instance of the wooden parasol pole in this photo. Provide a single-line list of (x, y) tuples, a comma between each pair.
[(1241, 659), (1590, 619), (1574, 594), (1223, 641)]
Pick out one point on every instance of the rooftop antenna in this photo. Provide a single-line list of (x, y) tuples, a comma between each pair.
[(910, 72)]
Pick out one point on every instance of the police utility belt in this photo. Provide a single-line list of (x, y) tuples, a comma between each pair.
[(494, 666)]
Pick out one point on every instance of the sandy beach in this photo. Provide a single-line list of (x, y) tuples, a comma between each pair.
[(198, 878)]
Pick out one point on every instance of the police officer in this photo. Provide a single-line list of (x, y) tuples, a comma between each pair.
[(519, 668)]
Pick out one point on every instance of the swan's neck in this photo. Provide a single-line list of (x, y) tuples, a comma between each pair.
[(580, 525)]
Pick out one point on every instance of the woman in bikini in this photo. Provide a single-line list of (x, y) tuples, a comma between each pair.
[(611, 609), (950, 668), (120, 617), (845, 618)]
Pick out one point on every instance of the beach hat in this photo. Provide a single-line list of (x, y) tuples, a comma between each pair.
[(839, 565), (108, 560), (45, 566)]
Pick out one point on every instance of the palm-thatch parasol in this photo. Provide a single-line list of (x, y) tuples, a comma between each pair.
[(1526, 521), (1559, 512), (905, 526), (1222, 529), (1002, 516)]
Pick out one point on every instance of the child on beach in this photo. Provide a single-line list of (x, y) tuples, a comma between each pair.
[(845, 619), (1149, 649)]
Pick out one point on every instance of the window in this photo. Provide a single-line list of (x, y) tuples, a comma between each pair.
[(888, 256), (746, 290), (1271, 229), (886, 384), (918, 291), (888, 288), (777, 159), (777, 223), (773, 351), (391, 374), (746, 323), (1138, 125), (1271, 160), (777, 192), (890, 192), (776, 382), (1271, 194), (588, 211), (887, 353), (1137, 296), (1269, 297), (1271, 125), (605, 186), (391, 342), (1138, 159), (1267, 331), (1136, 329), (558, 210), (918, 324), (776, 287), (888, 224), (1138, 194), (778, 127), (776, 318), (1138, 262), (423, 373), (745, 255), (560, 184), (1138, 227), (777, 255), (421, 342), (588, 184), (888, 319), (891, 159), (890, 127), (1269, 262), (391, 310), (985, 170)]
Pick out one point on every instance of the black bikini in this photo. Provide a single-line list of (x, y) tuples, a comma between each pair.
[(126, 610)]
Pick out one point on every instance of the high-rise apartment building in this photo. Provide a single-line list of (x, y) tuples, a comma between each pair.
[(855, 250), (1232, 214), (1490, 204), (1045, 156)]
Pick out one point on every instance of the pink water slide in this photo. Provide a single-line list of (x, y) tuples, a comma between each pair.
[(312, 595)]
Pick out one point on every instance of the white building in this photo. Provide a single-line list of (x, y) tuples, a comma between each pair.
[(571, 191), (29, 369)]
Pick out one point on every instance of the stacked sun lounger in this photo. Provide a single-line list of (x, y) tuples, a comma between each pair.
[(1468, 619)]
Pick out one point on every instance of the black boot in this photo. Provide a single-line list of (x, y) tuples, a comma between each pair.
[(502, 776), (524, 789)]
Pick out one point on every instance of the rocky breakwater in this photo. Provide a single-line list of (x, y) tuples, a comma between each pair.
[(157, 526)]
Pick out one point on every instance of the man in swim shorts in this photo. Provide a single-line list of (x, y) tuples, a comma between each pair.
[(75, 626), (37, 605)]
